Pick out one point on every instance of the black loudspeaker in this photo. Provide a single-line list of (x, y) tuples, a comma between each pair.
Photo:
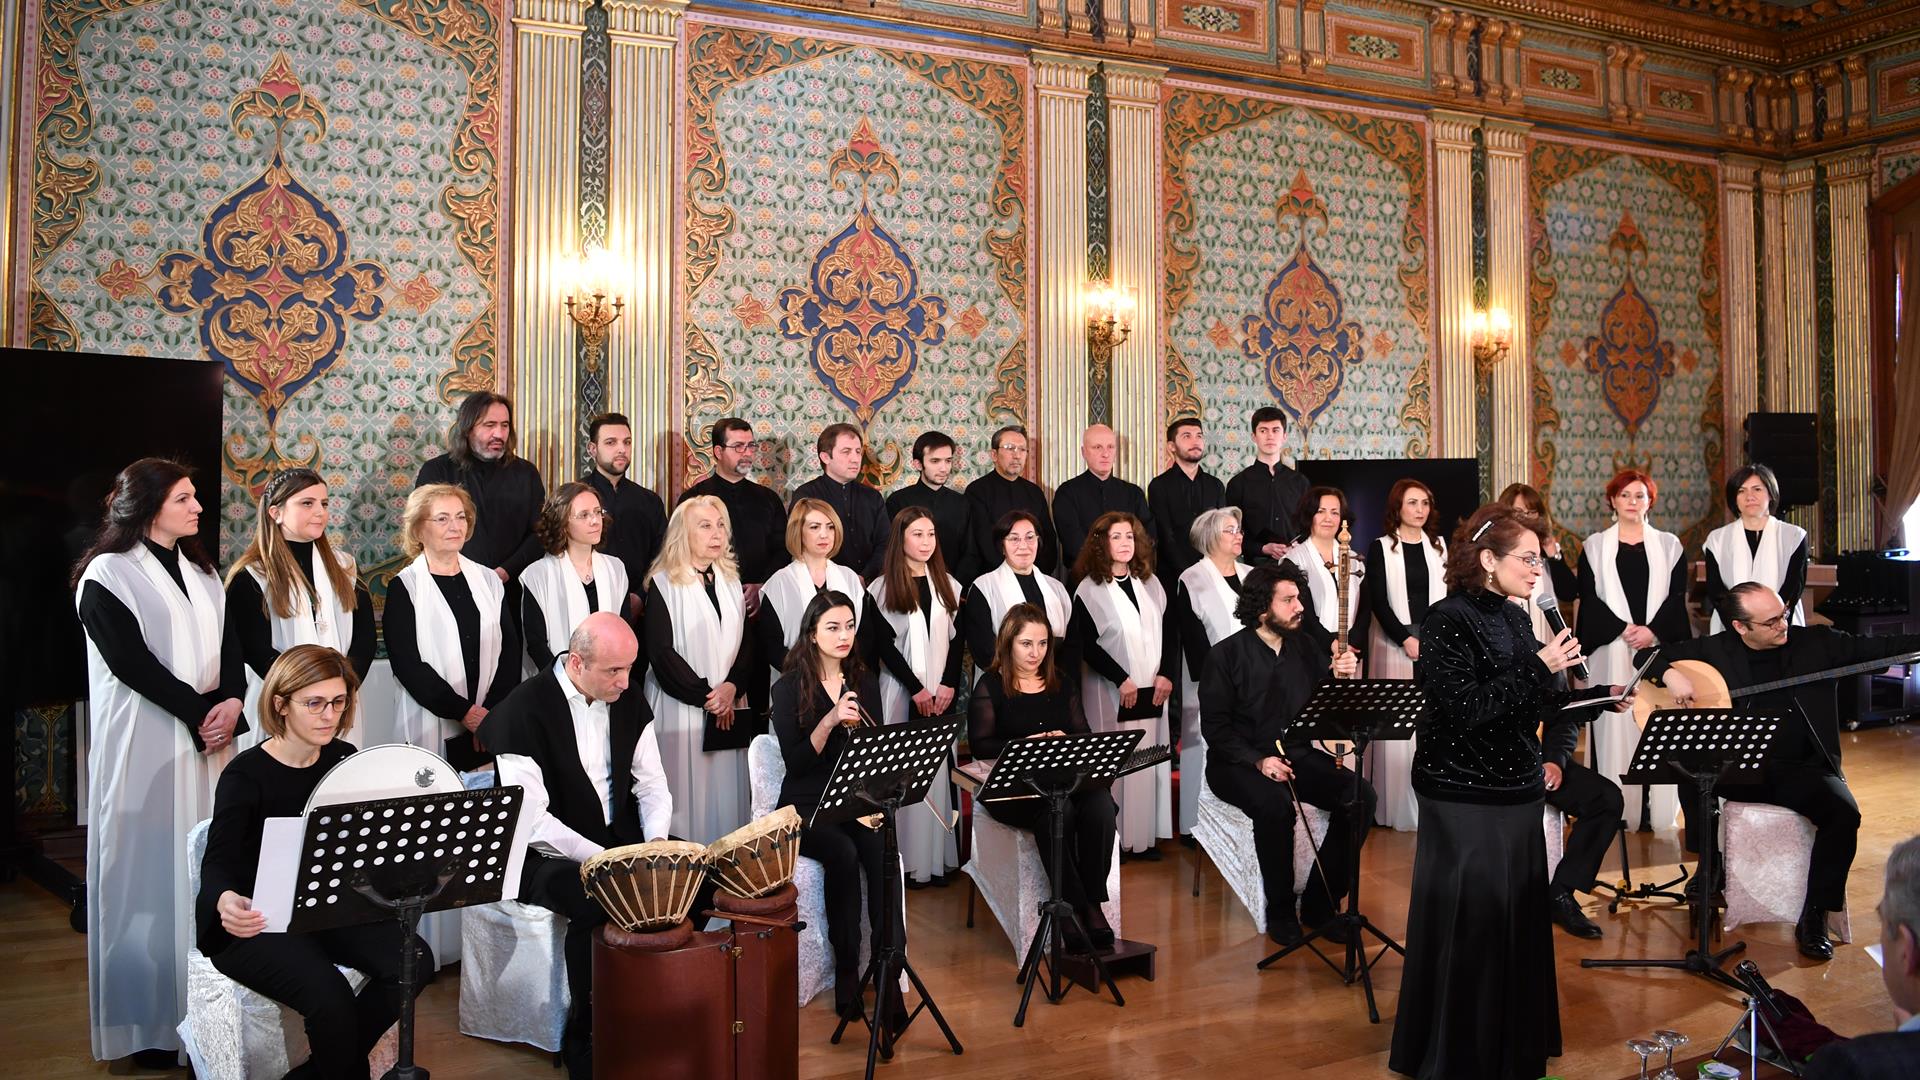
[(1789, 444)]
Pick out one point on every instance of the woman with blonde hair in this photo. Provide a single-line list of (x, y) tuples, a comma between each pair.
[(290, 587), (702, 677), (573, 579), (813, 539)]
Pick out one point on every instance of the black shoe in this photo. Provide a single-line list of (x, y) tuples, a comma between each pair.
[(1187, 841), (1284, 931), (1098, 931), (1150, 854), (1811, 934), (916, 883), (156, 1059), (1695, 885), (1568, 916)]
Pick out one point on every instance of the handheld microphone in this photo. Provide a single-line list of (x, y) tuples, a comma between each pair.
[(1550, 608)]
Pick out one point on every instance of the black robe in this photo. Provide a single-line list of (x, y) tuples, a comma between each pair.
[(759, 522), (507, 495), (1079, 502), (994, 496), (863, 522)]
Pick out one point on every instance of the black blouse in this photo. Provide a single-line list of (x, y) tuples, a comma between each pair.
[(534, 619), (1597, 625), (672, 671), (1379, 603), (1083, 636), (420, 680), (876, 641), (995, 718), (796, 709), (1485, 689)]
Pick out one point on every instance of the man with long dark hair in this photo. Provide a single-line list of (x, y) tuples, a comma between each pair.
[(505, 487)]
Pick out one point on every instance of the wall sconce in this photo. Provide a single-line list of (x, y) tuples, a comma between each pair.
[(1491, 335), (1109, 319), (592, 304)]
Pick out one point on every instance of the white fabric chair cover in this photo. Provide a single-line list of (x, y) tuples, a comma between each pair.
[(231, 1032), (1005, 864), (513, 974), (1555, 824), (1768, 849), (1226, 835)]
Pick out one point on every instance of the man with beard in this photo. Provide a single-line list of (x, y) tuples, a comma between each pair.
[(639, 517), (1180, 495), (953, 520), (505, 487), (1255, 683), (758, 517), (1080, 500)]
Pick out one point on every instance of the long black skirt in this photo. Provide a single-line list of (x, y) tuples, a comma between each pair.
[(1478, 1000)]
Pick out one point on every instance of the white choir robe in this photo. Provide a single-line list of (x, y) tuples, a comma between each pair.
[(1213, 602), (1615, 735), (1740, 564), (710, 793), (1320, 584), (789, 590), (1001, 589), (1390, 761), (332, 627), (150, 787), (928, 847), (1133, 638), (555, 585)]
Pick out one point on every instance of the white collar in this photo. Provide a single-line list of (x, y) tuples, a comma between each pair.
[(575, 696)]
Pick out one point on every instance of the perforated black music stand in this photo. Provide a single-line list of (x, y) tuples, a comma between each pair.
[(1360, 711), (1705, 746), (882, 769), (1053, 768), (399, 858)]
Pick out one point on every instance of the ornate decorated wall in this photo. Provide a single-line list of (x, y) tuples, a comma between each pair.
[(1625, 315), (306, 193), (1297, 272)]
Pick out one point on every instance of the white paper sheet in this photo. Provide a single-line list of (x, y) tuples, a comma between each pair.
[(280, 840)]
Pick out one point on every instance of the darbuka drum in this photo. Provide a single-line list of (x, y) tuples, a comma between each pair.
[(646, 887), (757, 860)]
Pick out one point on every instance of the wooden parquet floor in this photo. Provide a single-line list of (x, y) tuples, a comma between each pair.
[(1208, 1013)]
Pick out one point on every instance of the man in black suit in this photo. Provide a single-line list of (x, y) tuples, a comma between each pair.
[(863, 513), (1595, 805), (584, 749), (1891, 1055), (1802, 772)]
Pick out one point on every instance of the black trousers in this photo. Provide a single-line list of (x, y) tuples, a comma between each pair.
[(298, 971), (1090, 825), (554, 884), (1815, 794), (1594, 803), (849, 852), (1321, 782)]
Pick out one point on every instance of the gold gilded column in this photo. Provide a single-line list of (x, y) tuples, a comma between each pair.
[(1133, 155), (1453, 292), (1507, 290), (640, 179), (1798, 387), (546, 186), (1772, 285), (1740, 361), (1847, 179), (1060, 211)]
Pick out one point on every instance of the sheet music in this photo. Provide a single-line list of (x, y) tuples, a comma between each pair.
[(281, 839)]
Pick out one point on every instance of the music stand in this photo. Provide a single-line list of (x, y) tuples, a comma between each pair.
[(1703, 746), (882, 769), (399, 858), (1053, 768), (1360, 711)]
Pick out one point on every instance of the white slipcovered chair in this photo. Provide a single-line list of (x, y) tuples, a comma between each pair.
[(1225, 835), (513, 965), (1555, 824), (1005, 865), (1767, 850), (231, 1032)]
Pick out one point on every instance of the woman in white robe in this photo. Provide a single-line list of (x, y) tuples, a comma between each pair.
[(278, 596), (1203, 605), (1128, 649), (163, 711), (573, 580), (1758, 547), (1633, 596), (1016, 536), (1322, 510), (912, 627), (1405, 572), (702, 676), (813, 539)]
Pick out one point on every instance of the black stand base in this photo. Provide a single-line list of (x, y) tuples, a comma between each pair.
[(1696, 961), (1048, 946), (1356, 965), (1626, 892)]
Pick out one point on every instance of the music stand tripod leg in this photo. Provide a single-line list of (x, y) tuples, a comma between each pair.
[(1056, 916)]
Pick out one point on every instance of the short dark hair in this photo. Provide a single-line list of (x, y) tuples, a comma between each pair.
[(473, 409), (1310, 505), (1495, 527), (830, 437), (1184, 422), (1004, 527), (1010, 429), (931, 440), (1733, 605), (1752, 472), (1267, 414), (606, 419), (718, 435), (1256, 593)]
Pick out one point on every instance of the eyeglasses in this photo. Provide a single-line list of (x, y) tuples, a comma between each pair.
[(589, 515), (1531, 562), (443, 520), (736, 447), (1768, 624), (319, 706), (1232, 530)]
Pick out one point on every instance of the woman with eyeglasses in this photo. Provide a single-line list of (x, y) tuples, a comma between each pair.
[(1016, 580), (1405, 575), (1633, 597), (306, 710), (1756, 547), (573, 580), (1204, 599)]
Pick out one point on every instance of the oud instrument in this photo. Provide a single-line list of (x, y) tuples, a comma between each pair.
[(1710, 687)]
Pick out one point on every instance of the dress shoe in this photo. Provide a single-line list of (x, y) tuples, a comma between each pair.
[(1568, 916), (1811, 934), (1284, 931), (1099, 932), (1145, 854), (1187, 841)]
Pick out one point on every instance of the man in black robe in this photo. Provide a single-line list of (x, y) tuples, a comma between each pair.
[(639, 517), (1004, 490), (1079, 502), (953, 512), (758, 516), (505, 487), (1178, 496), (863, 513), (1802, 771), (1267, 492)]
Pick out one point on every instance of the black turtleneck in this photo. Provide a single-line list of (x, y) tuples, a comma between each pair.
[(507, 495), (250, 626)]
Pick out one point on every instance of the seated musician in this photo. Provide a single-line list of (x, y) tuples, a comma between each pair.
[(306, 706), (1593, 802), (825, 693), (1803, 771), (582, 744), (1255, 683), (1022, 694)]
